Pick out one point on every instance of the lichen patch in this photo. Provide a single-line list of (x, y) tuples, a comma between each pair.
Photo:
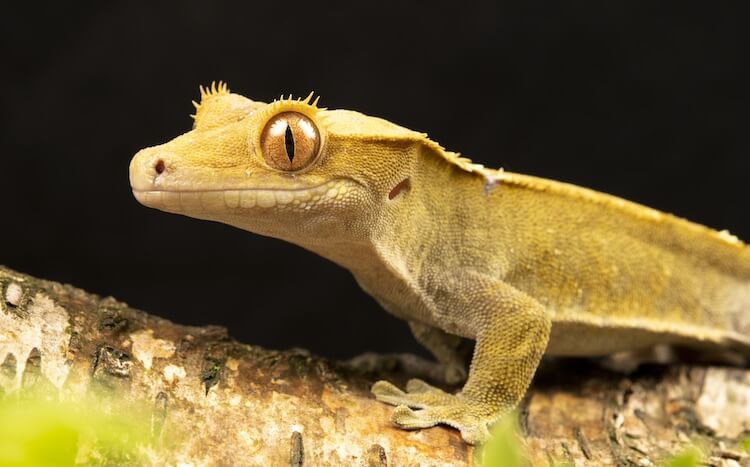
[(253, 445), (146, 347), (174, 372), (725, 392), (232, 363), (13, 294), (43, 326)]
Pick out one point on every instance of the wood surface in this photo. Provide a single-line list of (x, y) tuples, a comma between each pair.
[(215, 401)]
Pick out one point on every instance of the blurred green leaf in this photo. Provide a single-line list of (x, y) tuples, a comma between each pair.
[(690, 457), (43, 433), (505, 448)]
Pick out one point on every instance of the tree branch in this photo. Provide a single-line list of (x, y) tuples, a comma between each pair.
[(220, 402)]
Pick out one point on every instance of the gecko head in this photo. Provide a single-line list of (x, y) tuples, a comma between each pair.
[(287, 169)]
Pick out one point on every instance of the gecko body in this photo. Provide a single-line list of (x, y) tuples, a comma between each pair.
[(523, 265)]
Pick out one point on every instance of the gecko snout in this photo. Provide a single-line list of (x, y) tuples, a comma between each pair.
[(147, 168)]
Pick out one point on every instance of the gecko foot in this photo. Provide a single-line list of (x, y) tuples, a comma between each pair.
[(436, 406)]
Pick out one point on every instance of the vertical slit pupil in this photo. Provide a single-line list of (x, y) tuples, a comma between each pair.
[(289, 142)]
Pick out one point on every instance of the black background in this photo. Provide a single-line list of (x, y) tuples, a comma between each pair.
[(640, 99)]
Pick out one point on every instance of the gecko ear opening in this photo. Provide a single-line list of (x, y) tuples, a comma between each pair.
[(290, 142), (403, 186)]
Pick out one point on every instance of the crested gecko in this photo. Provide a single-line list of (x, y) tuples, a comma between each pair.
[(523, 265)]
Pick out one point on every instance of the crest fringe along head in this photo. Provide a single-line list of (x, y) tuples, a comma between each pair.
[(216, 89), (307, 100)]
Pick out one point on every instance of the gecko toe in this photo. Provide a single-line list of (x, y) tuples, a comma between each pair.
[(388, 393), (384, 388), (408, 419), (415, 385), (418, 394)]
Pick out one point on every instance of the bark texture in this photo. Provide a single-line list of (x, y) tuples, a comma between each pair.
[(215, 401)]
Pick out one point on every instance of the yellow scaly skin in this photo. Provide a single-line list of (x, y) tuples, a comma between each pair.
[(523, 265)]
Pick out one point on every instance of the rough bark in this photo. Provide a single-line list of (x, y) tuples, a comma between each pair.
[(220, 402)]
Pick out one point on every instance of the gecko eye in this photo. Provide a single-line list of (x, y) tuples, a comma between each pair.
[(290, 141)]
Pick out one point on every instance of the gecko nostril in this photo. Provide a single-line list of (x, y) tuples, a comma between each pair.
[(159, 166)]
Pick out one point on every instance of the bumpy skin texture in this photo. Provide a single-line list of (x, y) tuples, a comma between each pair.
[(521, 264)]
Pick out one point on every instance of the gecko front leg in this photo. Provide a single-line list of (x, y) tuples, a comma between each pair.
[(512, 330)]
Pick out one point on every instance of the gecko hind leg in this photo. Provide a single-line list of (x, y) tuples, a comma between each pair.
[(449, 350)]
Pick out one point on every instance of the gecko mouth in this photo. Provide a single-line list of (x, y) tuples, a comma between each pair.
[(231, 199)]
